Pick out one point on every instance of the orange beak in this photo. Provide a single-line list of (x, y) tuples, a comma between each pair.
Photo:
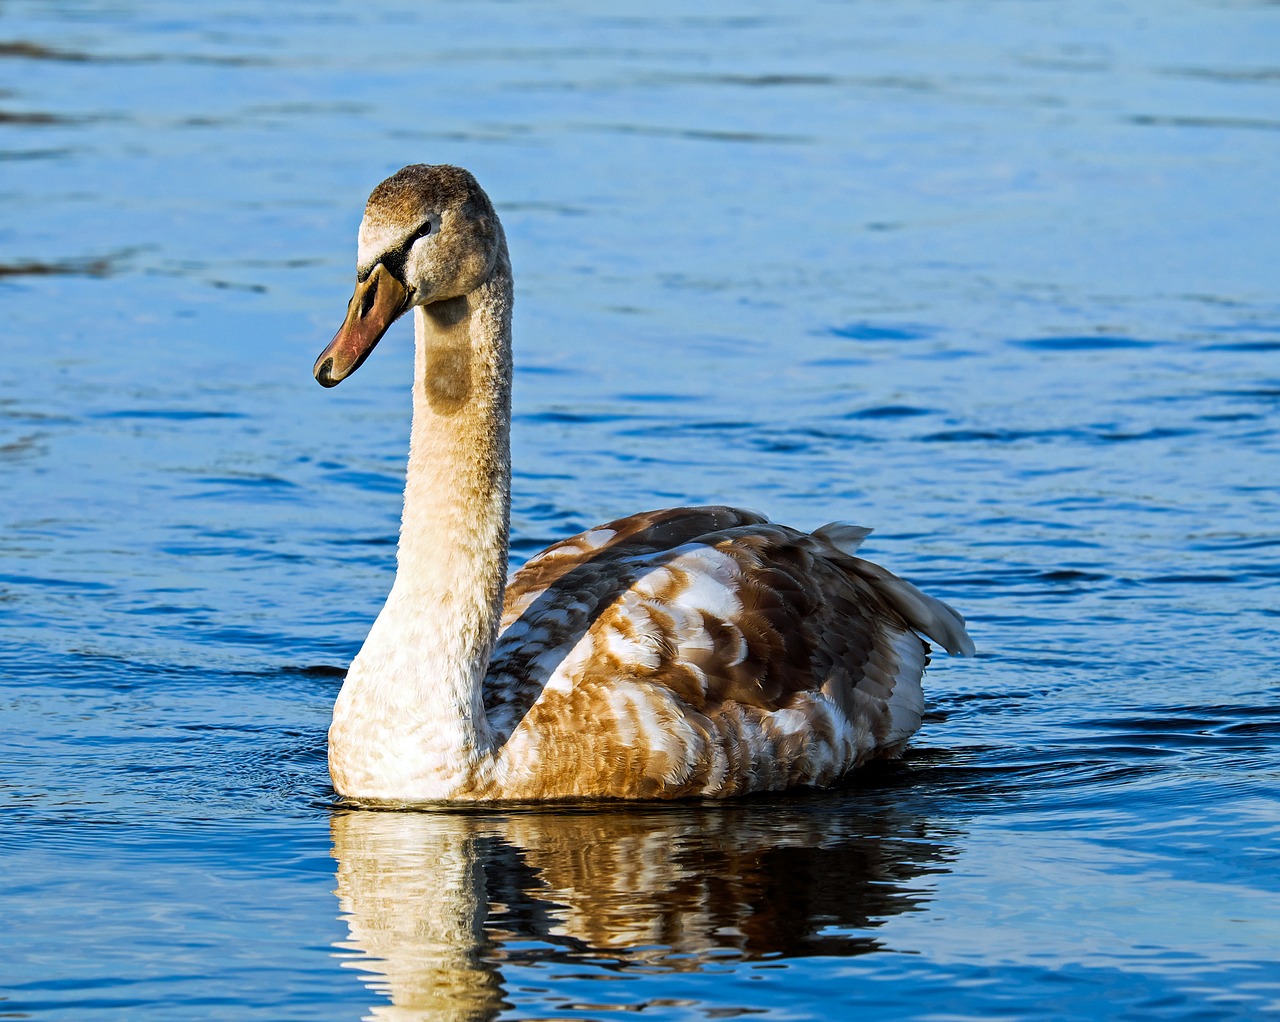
[(379, 301)]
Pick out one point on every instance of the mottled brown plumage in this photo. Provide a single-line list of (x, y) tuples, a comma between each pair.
[(786, 676), (675, 653)]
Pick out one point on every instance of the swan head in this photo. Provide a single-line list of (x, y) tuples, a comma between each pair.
[(429, 234)]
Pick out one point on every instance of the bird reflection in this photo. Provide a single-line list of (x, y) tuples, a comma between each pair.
[(436, 904)]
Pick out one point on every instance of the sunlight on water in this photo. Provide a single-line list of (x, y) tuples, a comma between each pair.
[(996, 279)]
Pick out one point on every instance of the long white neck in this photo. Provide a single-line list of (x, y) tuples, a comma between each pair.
[(410, 720)]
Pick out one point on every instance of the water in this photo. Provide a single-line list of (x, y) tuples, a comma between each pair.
[(998, 279)]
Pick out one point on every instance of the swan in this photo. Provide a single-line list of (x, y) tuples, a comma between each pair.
[(686, 652)]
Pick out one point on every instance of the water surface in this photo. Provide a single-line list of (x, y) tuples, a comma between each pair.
[(997, 279)]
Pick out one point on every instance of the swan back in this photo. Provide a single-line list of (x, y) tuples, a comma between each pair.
[(701, 651)]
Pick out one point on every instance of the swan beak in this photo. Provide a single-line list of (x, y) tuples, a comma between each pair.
[(379, 301)]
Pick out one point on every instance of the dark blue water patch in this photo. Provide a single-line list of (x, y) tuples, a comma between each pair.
[(1223, 74), (558, 208), (1247, 326), (232, 285), (667, 428), (171, 414), (544, 511), (1262, 488), (35, 154), (1217, 544), (1243, 346), (1158, 433), (888, 412), (22, 49), (877, 332), (1094, 342), (1073, 575), (575, 418), (374, 482), (79, 671), (1148, 986), (630, 458), (1226, 417), (534, 369), (1059, 774), (787, 444), (1095, 434), (1202, 717), (846, 362), (248, 487), (202, 631), (237, 552), (523, 548), (1267, 728), (1205, 579), (656, 398), (842, 436), (696, 135), (1185, 121), (1002, 436), (977, 778), (50, 582), (385, 539), (156, 609), (1027, 582), (749, 80)]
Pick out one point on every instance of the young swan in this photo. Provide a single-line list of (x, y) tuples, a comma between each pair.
[(687, 652)]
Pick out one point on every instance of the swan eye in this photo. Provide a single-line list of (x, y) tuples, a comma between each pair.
[(422, 231)]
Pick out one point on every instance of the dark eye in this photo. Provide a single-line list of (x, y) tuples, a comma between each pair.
[(422, 231)]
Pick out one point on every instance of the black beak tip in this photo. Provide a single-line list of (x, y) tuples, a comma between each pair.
[(323, 372)]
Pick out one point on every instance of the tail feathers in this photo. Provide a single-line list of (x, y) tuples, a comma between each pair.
[(906, 701), (844, 536), (927, 615)]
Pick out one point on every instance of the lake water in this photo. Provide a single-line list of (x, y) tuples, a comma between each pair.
[(999, 279)]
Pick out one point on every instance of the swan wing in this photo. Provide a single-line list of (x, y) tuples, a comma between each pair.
[(703, 651)]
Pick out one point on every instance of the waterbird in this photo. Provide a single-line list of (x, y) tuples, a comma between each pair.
[(680, 653)]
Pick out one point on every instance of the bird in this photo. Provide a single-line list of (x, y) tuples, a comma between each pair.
[(682, 653)]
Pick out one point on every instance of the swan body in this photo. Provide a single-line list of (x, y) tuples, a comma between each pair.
[(678, 653)]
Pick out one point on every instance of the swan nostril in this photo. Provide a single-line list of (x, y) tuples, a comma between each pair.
[(369, 296)]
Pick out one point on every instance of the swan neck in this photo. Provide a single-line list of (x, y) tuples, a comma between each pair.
[(455, 526), (410, 722)]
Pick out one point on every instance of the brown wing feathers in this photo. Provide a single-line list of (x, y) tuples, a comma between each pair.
[(739, 643)]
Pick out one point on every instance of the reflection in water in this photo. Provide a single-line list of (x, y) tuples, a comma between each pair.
[(413, 892), (437, 903)]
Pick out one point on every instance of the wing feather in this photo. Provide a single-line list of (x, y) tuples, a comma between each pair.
[(707, 651)]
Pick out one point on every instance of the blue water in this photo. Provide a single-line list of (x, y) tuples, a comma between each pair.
[(997, 278)]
